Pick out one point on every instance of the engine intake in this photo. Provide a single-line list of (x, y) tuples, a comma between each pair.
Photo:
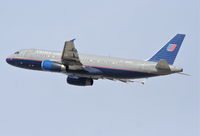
[(80, 81), (52, 66)]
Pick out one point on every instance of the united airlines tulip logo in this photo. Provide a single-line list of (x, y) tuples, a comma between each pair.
[(171, 47)]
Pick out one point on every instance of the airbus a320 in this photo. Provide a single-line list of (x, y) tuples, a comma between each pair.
[(83, 69)]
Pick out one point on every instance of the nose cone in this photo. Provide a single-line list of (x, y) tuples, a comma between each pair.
[(9, 60)]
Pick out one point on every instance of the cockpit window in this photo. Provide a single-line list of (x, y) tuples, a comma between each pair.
[(17, 52)]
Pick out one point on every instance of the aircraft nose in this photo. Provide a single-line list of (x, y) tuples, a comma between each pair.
[(9, 60)]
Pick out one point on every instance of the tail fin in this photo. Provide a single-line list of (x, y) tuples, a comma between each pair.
[(170, 50)]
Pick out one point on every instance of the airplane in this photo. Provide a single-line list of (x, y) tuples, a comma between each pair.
[(83, 69)]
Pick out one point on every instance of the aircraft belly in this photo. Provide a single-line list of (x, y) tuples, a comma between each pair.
[(117, 73), (90, 71), (25, 63)]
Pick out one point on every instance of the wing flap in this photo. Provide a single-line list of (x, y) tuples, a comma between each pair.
[(126, 80)]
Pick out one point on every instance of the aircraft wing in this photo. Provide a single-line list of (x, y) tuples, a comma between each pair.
[(70, 55), (125, 80), (71, 59)]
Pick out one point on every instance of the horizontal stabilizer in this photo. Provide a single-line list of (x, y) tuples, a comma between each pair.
[(163, 65)]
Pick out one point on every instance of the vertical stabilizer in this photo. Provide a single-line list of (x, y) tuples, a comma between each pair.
[(169, 51)]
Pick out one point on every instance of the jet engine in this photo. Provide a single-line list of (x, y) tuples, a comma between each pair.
[(53, 66), (79, 81)]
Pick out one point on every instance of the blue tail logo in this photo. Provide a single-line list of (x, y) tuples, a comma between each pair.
[(170, 50)]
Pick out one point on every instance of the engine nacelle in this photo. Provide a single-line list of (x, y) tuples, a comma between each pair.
[(52, 66), (80, 81)]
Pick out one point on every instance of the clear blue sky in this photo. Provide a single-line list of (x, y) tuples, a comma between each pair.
[(36, 103)]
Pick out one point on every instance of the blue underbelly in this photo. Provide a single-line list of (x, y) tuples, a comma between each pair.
[(107, 72), (24, 63), (118, 73)]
